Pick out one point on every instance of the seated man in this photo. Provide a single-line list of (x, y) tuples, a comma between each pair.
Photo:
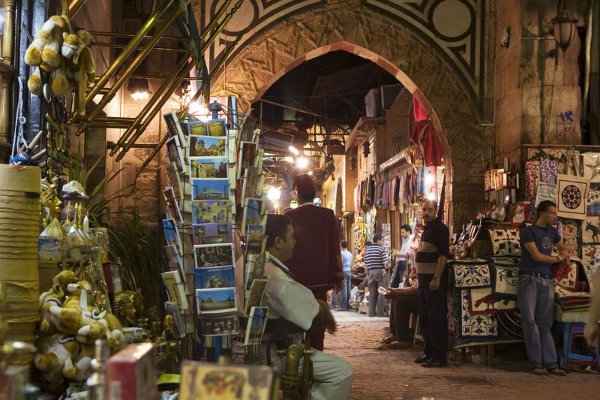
[(290, 301), (403, 305)]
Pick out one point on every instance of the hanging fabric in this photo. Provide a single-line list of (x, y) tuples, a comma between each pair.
[(424, 136)]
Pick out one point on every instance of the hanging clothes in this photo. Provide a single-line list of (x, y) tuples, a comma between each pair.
[(424, 136)]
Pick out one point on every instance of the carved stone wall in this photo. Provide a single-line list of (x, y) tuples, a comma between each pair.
[(422, 68)]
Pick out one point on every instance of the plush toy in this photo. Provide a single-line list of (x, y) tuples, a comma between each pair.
[(70, 45), (34, 83), (59, 83)]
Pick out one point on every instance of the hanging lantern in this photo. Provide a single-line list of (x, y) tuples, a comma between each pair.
[(563, 26)]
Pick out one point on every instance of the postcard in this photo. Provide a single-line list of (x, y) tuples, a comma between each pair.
[(175, 128), (197, 128), (213, 278), (217, 382), (246, 157), (172, 234), (255, 295), (252, 212), (257, 323), (172, 204), (211, 212), (210, 189), (219, 326), (216, 128), (254, 235), (175, 288), (206, 168), (175, 154), (212, 233), (214, 255), (216, 301), (207, 146)]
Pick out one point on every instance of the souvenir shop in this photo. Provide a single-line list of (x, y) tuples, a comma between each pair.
[(483, 309), (90, 311)]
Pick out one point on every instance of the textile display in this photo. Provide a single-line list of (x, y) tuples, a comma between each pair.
[(532, 177), (591, 230), (572, 196), (569, 232), (507, 280), (475, 325), (472, 275), (593, 200), (591, 166), (566, 276), (590, 261), (549, 171), (505, 242), (482, 301)]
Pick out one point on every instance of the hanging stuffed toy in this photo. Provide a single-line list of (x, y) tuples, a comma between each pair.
[(56, 51)]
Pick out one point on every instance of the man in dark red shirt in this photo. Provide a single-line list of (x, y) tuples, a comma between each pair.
[(316, 262)]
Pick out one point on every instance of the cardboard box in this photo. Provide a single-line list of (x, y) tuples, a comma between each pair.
[(131, 374)]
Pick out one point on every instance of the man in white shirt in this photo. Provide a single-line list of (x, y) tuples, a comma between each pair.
[(295, 303), (344, 295)]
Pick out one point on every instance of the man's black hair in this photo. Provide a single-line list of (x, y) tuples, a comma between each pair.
[(407, 228), (376, 237), (544, 206), (344, 244), (305, 186), (277, 227)]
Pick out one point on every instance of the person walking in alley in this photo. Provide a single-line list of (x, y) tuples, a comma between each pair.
[(316, 262), (536, 288), (432, 279), (344, 295), (375, 262)]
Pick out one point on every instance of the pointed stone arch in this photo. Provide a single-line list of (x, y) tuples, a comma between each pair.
[(421, 68)]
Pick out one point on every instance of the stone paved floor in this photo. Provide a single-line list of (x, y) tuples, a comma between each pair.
[(392, 375)]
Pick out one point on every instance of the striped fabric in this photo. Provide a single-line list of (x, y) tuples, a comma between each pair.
[(374, 256)]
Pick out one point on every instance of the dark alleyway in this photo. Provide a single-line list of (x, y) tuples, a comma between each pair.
[(392, 375)]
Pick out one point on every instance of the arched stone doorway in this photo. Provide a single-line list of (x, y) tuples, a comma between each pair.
[(419, 67)]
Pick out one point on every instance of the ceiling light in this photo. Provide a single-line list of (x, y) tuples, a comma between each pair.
[(274, 194), (302, 162), (138, 88), (310, 173)]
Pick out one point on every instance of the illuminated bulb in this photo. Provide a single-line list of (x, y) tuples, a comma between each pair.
[(274, 194), (199, 110), (140, 95), (302, 162), (428, 179), (310, 173), (293, 150)]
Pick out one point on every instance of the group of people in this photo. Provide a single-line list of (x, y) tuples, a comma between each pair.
[(307, 260)]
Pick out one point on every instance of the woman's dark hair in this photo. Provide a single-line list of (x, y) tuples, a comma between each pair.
[(407, 228), (545, 206), (277, 227), (305, 186)]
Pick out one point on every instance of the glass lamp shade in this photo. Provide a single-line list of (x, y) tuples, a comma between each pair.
[(138, 89), (564, 28)]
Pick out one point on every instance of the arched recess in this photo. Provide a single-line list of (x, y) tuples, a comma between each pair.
[(419, 67)]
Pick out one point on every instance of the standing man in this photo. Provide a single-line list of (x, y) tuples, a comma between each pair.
[(402, 259), (375, 262), (536, 288), (347, 283), (432, 279), (316, 262)]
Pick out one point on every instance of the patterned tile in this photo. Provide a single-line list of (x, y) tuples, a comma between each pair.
[(475, 325), (472, 275)]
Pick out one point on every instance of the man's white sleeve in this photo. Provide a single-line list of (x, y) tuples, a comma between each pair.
[(292, 302)]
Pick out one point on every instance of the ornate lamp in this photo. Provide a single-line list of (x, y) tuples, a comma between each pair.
[(564, 26)]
